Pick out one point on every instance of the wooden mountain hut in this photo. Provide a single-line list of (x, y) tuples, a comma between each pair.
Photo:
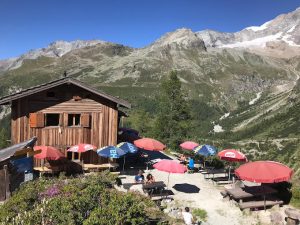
[(65, 112)]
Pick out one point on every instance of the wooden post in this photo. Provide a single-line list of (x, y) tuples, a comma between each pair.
[(7, 183)]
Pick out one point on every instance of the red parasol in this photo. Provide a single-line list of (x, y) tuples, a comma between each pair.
[(48, 152), (149, 144), (232, 155), (170, 166), (189, 145), (264, 172), (82, 148)]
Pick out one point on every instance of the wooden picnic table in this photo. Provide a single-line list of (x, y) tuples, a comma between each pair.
[(150, 188), (213, 172), (44, 169), (100, 166), (249, 192), (157, 184)]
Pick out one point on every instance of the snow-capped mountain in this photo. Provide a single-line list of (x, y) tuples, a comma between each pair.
[(278, 36)]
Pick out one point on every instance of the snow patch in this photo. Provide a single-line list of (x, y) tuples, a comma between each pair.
[(258, 95), (257, 28), (286, 39), (218, 128), (292, 28), (224, 116), (260, 42)]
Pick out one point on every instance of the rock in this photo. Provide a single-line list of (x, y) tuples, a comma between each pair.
[(293, 216), (292, 213), (276, 218)]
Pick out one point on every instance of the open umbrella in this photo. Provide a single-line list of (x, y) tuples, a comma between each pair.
[(82, 148), (205, 150), (149, 144), (112, 152), (170, 166), (48, 152), (232, 155), (188, 145), (264, 172), (127, 147)]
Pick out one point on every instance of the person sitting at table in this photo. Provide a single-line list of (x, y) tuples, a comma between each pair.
[(139, 178), (150, 179), (191, 165), (182, 159)]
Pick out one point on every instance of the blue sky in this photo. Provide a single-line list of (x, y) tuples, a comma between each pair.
[(30, 24)]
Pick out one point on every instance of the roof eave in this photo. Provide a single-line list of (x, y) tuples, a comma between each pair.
[(33, 90)]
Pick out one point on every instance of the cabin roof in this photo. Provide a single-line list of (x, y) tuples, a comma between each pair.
[(66, 80), (8, 152)]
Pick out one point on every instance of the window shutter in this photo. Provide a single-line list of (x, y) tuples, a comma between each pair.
[(36, 120), (85, 120)]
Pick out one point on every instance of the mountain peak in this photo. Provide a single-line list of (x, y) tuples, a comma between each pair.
[(183, 37)]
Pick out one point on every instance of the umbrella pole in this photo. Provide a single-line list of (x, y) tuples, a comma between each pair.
[(124, 163), (168, 180), (265, 202)]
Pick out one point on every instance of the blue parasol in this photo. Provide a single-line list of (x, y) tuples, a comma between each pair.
[(111, 152), (205, 150), (128, 147)]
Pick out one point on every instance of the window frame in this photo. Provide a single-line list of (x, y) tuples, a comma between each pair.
[(74, 119)]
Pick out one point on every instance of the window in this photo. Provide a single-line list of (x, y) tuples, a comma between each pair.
[(52, 119), (73, 120)]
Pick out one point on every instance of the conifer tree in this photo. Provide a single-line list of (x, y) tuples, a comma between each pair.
[(173, 117)]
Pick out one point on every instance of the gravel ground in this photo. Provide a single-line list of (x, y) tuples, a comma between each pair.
[(196, 192)]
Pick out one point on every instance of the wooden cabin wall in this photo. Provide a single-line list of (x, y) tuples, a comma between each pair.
[(103, 115)]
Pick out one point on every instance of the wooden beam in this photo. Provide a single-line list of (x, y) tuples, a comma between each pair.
[(32, 153), (27, 151), (23, 151)]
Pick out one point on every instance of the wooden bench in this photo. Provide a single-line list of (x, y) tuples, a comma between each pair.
[(221, 180), (46, 170), (259, 204), (128, 185), (249, 192), (97, 167), (209, 174)]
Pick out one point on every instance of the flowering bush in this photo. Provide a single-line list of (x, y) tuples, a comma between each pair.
[(81, 200)]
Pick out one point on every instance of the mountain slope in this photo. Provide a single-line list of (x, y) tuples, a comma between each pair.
[(210, 68), (279, 37)]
